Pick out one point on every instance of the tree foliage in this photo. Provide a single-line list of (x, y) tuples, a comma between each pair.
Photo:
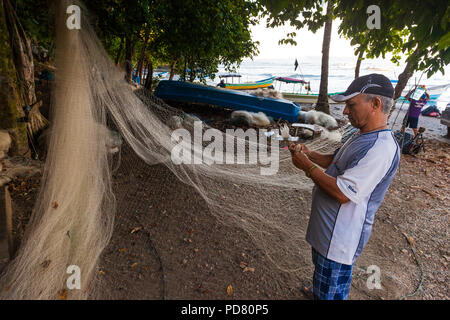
[(202, 34), (406, 27), (310, 14)]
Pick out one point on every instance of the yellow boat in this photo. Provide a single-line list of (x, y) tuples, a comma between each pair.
[(250, 85)]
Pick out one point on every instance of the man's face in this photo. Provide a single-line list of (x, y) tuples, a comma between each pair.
[(359, 111)]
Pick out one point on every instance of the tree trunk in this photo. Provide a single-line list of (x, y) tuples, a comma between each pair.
[(191, 73), (128, 59), (185, 67), (23, 61), (404, 77), (119, 53), (142, 56), (358, 63), (149, 81), (172, 69), (10, 98), (322, 101)]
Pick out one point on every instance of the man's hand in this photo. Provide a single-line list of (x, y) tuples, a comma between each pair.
[(301, 161), (299, 148), (323, 160)]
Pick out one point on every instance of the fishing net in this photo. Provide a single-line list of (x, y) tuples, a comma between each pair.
[(100, 125)]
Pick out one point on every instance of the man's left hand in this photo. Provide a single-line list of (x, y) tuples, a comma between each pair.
[(301, 161)]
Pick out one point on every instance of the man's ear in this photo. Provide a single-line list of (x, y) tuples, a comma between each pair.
[(376, 103)]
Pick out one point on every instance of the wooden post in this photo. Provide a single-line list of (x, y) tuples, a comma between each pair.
[(6, 238)]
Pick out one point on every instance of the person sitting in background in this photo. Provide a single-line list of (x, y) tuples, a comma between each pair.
[(415, 107), (221, 84)]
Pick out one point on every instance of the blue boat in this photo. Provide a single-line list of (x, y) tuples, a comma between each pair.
[(233, 99)]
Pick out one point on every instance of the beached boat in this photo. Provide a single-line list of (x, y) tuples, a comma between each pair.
[(307, 98), (291, 80), (232, 99), (250, 85), (299, 97)]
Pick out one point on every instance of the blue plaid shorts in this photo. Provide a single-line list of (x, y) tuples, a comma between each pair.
[(331, 280)]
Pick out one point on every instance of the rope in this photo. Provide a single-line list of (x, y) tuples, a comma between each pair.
[(161, 267), (419, 286)]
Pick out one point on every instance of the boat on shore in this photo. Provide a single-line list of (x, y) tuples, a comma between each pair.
[(307, 98), (299, 97), (250, 85), (232, 99)]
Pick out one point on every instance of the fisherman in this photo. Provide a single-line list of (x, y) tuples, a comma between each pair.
[(415, 107), (348, 193), (221, 84)]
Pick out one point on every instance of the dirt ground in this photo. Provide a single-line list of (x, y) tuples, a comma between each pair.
[(166, 244)]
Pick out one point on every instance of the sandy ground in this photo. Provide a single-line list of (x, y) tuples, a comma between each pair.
[(166, 244)]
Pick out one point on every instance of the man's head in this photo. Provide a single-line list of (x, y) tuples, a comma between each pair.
[(368, 100)]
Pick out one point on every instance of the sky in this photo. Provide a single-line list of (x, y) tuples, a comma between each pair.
[(308, 43)]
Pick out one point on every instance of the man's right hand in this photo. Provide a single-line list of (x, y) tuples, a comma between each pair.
[(305, 150), (299, 148), (323, 160)]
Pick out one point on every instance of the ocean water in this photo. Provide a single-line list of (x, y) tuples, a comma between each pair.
[(341, 74)]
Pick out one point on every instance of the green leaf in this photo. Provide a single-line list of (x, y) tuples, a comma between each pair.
[(444, 42)]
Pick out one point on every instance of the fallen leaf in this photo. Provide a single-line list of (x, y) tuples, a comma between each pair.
[(136, 229), (122, 249), (101, 272), (409, 239), (55, 205), (195, 250), (62, 294), (134, 264), (243, 265), (230, 290), (249, 269)]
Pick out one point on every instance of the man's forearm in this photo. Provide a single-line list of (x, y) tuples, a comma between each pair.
[(328, 184), (323, 160), (320, 178)]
